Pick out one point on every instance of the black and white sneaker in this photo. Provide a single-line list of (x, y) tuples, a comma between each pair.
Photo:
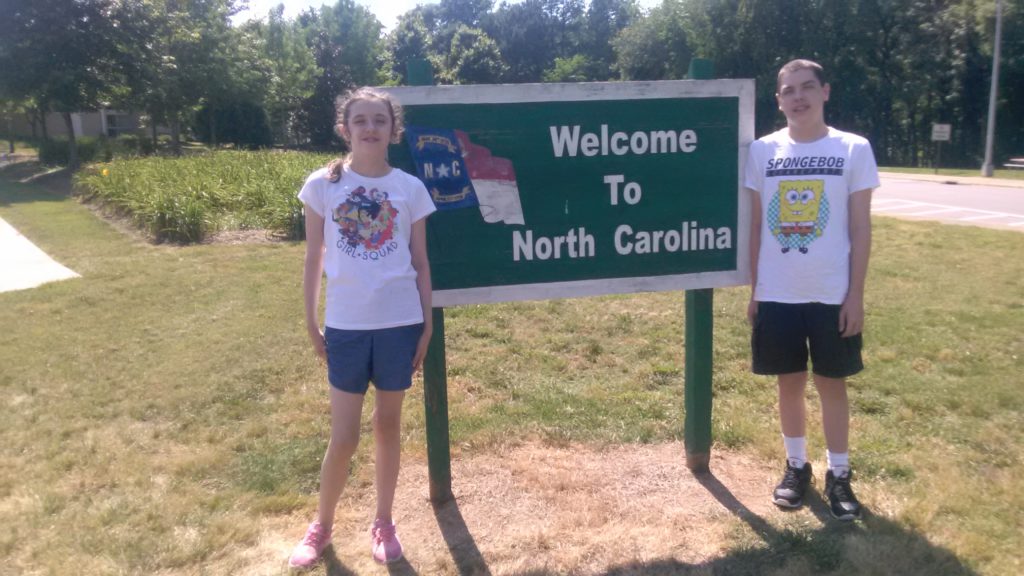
[(790, 492), (841, 502)]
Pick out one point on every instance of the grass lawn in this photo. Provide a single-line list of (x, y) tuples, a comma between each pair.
[(160, 408)]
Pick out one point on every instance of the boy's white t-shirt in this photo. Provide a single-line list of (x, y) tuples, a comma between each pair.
[(371, 282), (804, 189)]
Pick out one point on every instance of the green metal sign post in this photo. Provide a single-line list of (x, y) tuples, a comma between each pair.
[(566, 190), (435, 372), (699, 363)]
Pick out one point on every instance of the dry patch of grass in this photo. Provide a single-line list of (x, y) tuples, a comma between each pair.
[(535, 509)]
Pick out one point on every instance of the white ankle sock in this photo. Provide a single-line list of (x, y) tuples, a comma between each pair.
[(796, 450), (838, 462)]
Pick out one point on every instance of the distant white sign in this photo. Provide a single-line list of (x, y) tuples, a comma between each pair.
[(941, 132)]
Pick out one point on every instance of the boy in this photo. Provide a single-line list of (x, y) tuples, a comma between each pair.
[(810, 240)]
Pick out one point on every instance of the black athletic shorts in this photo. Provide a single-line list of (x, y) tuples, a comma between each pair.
[(783, 334)]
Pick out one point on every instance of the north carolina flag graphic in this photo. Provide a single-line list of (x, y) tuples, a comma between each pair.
[(494, 179), (460, 174)]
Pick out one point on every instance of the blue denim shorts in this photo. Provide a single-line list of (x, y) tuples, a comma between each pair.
[(384, 356)]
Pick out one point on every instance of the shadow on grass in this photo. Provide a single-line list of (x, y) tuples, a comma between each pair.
[(467, 557), (872, 545), (25, 182), (334, 566), (402, 567)]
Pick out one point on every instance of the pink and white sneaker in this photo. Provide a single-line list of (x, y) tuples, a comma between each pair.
[(384, 542), (307, 553)]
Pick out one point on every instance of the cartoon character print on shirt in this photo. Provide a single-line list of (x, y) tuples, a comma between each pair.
[(798, 213), (366, 223)]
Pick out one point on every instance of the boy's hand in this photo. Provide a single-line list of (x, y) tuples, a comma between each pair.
[(316, 337), (851, 316), (421, 350)]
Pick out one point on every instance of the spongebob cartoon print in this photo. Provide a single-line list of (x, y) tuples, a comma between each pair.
[(798, 213), (365, 220)]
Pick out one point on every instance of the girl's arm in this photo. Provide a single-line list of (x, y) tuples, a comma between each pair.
[(311, 278), (418, 247)]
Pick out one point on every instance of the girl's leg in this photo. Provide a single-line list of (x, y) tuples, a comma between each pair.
[(792, 410), (346, 409), (835, 412), (387, 431)]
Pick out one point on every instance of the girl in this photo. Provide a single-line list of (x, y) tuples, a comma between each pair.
[(366, 227)]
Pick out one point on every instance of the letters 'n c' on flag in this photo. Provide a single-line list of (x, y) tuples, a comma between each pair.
[(438, 155)]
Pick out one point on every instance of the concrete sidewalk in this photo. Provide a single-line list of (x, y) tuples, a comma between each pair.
[(23, 265)]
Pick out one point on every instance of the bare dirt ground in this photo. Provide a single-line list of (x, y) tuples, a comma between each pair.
[(538, 510)]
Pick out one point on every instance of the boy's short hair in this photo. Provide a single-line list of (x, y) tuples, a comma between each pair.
[(800, 64)]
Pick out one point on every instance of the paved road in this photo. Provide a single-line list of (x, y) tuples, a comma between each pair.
[(959, 200)]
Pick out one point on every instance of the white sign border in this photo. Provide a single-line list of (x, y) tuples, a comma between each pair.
[(743, 90)]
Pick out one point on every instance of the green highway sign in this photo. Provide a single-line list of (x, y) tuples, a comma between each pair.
[(563, 190)]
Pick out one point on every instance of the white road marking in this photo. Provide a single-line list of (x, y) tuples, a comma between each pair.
[(982, 217), (911, 203), (936, 211)]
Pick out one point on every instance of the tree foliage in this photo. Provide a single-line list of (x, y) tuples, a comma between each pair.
[(473, 58), (64, 55), (655, 47), (345, 40), (896, 66)]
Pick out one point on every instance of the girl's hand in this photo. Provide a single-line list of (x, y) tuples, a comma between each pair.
[(421, 350), (752, 312), (316, 337)]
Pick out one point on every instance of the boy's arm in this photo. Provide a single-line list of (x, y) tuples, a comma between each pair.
[(755, 249), (418, 247), (851, 314), (311, 278)]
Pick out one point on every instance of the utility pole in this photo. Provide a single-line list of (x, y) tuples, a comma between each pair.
[(986, 168)]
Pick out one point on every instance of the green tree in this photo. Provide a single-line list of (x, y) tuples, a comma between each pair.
[(64, 55), (604, 20), (528, 36), (293, 73), (346, 44), (452, 13), (474, 58), (410, 40), (9, 110), (654, 47), (186, 55), (578, 68), (1009, 136)]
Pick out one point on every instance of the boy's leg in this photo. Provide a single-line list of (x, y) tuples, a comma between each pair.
[(835, 412), (797, 477), (792, 408), (346, 409), (779, 347), (835, 358), (387, 430), (835, 416)]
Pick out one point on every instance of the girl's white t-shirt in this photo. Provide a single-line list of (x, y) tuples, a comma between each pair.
[(371, 282), (805, 189)]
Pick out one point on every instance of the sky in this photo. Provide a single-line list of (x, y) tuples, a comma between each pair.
[(387, 11)]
